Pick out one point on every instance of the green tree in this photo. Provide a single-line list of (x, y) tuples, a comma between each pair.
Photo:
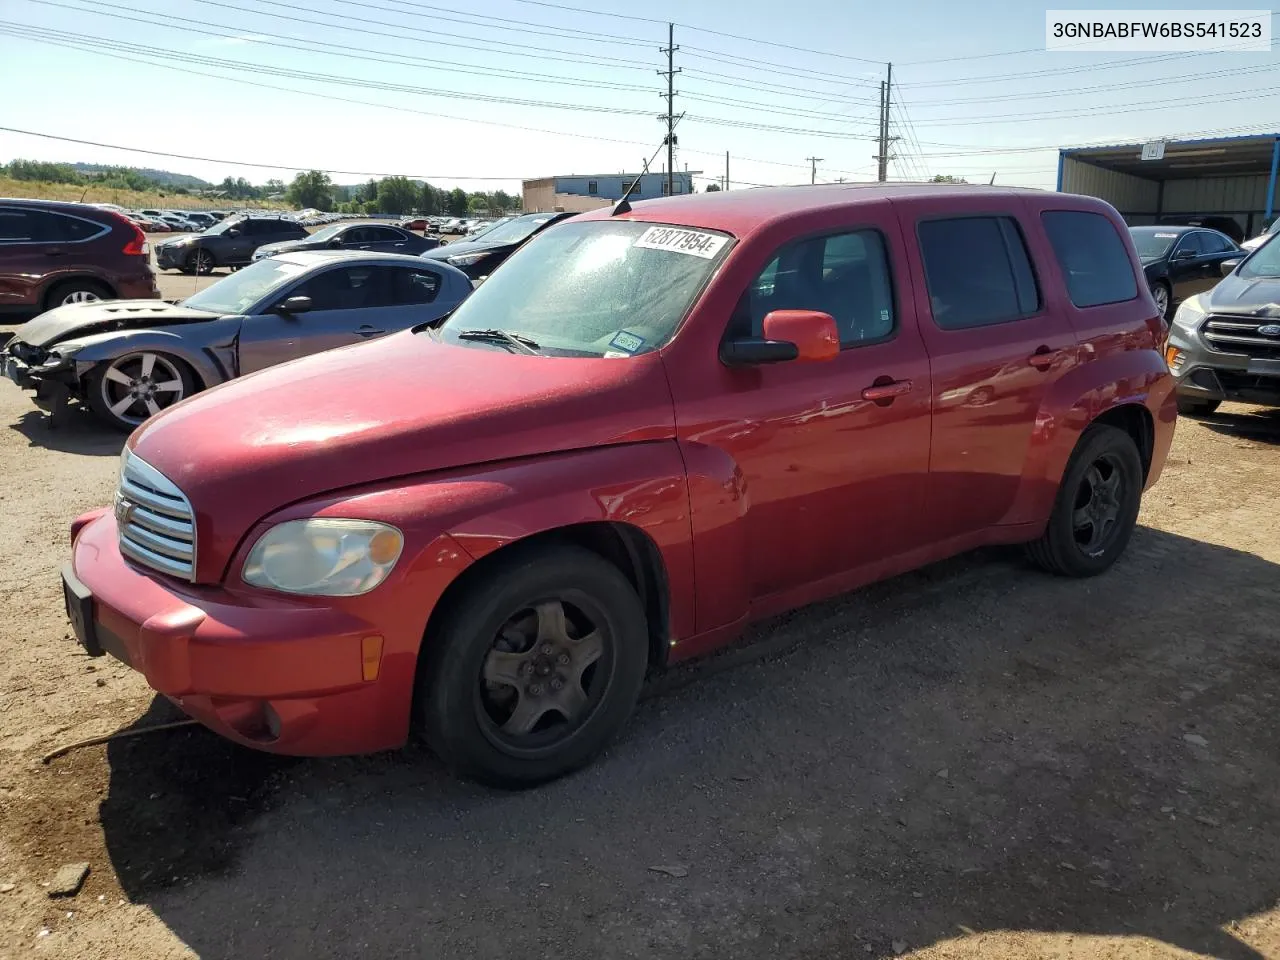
[(429, 201), (370, 191), (477, 203), (713, 188), (457, 205), (947, 178), (272, 187), (396, 195), (311, 189), (501, 201)]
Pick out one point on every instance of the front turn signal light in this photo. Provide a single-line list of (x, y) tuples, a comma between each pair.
[(370, 657)]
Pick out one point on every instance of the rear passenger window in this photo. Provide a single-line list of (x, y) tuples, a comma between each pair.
[(845, 275), (15, 226), (72, 228), (413, 286), (978, 272), (1092, 257)]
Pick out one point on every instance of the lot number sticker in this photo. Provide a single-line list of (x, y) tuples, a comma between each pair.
[(628, 343), (692, 242)]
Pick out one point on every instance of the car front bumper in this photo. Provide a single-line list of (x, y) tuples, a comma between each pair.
[(284, 676), (171, 257), (1203, 373)]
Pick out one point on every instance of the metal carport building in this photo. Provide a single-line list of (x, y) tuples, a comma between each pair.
[(1226, 176)]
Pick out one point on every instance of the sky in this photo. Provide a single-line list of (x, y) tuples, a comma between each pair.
[(484, 94)]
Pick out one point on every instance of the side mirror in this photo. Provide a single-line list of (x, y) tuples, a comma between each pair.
[(233, 231), (804, 335), (1228, 266), (335, 242), (293, 305), (1186, 253)]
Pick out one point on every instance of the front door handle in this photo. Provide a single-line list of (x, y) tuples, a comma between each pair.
[(365, 330), (884, 390), (1044, 357)]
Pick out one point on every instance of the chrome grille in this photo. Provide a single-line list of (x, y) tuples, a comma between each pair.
[(1242, 335), (155, 520)]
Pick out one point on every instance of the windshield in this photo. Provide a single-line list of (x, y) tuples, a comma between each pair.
[(329, 232), (592, 289), (239, 291), (1264, 262), (488, 228), (513, 231), (223, 225), (1153, 244)]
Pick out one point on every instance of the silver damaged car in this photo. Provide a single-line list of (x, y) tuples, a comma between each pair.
[(130, 359)]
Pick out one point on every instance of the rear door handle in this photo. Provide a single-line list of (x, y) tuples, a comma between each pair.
[(880, 392), (1044, 357), (365, 330)]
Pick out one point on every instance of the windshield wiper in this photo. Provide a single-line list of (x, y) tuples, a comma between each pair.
[(523, 344)]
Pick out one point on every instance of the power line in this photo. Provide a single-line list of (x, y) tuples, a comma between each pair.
[(328, 78), (244, 163), (367, 103), (267, 39)]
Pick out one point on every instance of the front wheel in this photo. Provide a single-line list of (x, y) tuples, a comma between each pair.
[(201, 263), (535, 667), (127, 390), (1160, 293), (1096, 508)]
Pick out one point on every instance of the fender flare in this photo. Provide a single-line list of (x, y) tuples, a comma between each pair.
[(1137, 378), (212, 363)]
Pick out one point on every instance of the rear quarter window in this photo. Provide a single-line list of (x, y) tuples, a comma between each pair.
[(1094, 262)]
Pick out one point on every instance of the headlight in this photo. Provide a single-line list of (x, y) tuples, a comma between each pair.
[(332, 558), (466, 259), (61, 353), (1189, 314)]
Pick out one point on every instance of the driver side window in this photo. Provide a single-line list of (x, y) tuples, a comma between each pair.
[(343, 288), (845, 275), (1189, 245), (356, 236)]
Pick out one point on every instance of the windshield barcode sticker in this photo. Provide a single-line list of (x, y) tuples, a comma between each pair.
[(693, 242)]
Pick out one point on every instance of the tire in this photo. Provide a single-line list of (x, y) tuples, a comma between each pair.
[(200, 262), (1163, 297), (1188, 407), (502, 733), (77, 291), (154, 379), (1065, 548)]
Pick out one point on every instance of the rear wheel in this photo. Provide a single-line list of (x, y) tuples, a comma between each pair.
[(1196, 408), (535, 667), (127, 390), (1096, 507), (76, 291)]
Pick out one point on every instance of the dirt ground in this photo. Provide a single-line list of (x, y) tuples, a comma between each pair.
[(976, 760)]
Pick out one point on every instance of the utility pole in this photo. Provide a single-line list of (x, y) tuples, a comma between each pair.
[(886, 96), (670, 118), (814, 161), (726, 169)]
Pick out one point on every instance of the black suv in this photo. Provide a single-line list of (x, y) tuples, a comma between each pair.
[(230, 243)]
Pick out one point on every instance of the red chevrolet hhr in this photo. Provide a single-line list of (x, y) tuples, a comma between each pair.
[(650, 427)]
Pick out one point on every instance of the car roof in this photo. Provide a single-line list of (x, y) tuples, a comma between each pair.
[(61, 206), (741, 212), (1170, 228), (311, 258)]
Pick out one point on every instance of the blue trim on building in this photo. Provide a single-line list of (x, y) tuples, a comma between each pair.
[(1062, 156), (1271, 183)]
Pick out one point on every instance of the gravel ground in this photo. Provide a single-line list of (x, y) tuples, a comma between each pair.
[(975, 760)]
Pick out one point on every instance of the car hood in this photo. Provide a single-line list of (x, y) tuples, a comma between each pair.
[(82, 319), (1251, 296), (403, 405)]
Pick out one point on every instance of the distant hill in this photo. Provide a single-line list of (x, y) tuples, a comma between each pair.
[(166, 177)]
